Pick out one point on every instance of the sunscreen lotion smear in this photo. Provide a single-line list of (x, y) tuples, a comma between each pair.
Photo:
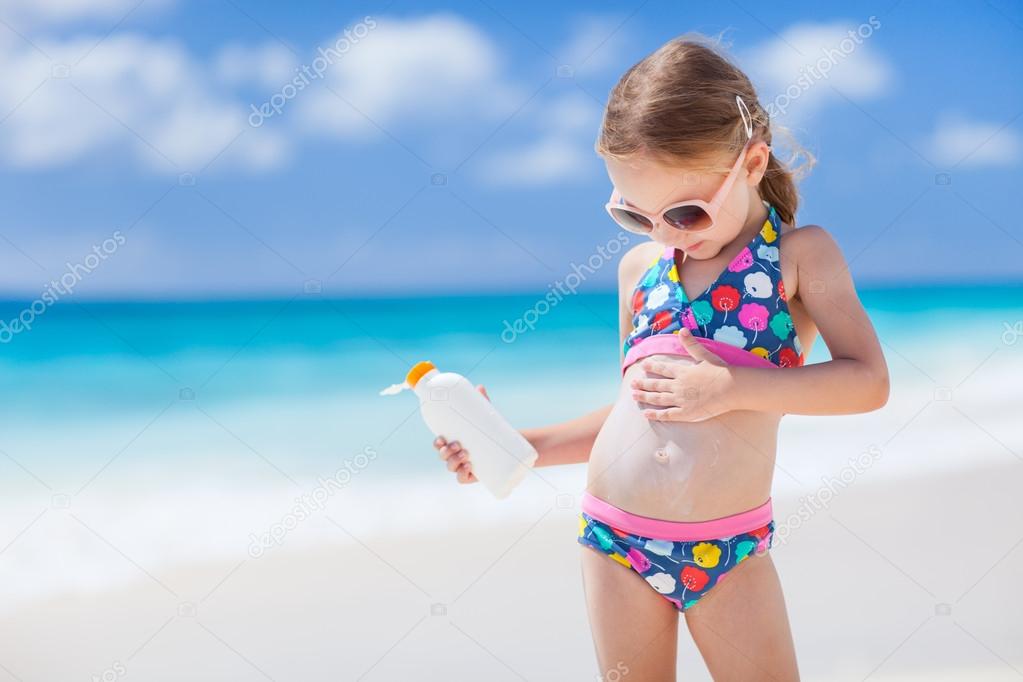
[(451, 407)]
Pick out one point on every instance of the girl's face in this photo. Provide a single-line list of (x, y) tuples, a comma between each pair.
[(649, 186)]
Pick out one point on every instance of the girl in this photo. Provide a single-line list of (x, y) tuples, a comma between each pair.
[(718, 312)]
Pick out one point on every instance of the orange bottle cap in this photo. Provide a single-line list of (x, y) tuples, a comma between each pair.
[(417, 372)]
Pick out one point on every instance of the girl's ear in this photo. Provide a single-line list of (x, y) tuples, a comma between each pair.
[(756, 162)]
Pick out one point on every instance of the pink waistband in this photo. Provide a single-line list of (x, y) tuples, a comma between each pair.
[(677, 531), (671, 344)]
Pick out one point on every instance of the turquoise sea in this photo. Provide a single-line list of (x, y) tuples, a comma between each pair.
[(96, 367), (183, 428)]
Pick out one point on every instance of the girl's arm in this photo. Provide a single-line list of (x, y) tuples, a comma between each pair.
[(856, 378), (568, 442)]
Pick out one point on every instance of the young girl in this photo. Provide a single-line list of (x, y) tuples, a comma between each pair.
[(718, 312)]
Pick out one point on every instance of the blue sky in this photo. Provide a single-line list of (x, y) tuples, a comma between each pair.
[(442, 151)]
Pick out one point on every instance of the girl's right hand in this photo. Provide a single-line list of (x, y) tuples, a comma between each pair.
[(456, 458)]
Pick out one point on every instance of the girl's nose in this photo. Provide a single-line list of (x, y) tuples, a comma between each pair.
[(660, 231)]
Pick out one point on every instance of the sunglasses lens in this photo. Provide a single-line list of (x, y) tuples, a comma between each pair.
[(691, 218), (633, 222)]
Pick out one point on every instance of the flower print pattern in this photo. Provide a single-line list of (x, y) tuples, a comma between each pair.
[(703, 312), (657, 296), (743, 549), (730, 334), (693, 578), (689, 319), (725, 298), (746, 306), (707, 554), (650, 279), (661, 320), (638, 560), (659, 547), (788, 358), (781, 324), (638, 301), (758, 285), (761, 351), (681, 571), (743, 261), (767, 253), (662, 582), (753, 316)]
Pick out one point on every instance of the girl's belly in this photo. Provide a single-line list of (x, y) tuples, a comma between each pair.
[(682, 471)]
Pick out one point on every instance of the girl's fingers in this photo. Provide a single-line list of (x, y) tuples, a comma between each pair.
[(671, 414), (664, 369), (465, 474), (455, 462), (652, 398), (652, 384), (455, 458), (452, 448)]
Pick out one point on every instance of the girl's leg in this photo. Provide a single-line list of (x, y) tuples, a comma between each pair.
[(741, 627), (635, 630)]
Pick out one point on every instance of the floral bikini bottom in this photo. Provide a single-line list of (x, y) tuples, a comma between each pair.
[(680, 560)]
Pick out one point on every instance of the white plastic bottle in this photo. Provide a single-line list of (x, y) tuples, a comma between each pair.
[(451, 407)]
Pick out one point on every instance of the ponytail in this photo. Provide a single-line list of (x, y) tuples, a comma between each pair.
[(778, 186)]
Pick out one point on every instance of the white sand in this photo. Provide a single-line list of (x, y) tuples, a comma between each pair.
[(865, 597)]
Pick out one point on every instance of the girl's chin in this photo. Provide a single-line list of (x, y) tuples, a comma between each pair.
[(699, 249)]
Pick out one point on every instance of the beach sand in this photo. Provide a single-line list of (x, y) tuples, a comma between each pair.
[(867, 600)]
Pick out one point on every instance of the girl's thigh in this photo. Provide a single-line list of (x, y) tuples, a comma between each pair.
[(741, 627), (635, 630)]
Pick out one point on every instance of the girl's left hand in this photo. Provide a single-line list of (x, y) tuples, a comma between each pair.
[(685, 393)]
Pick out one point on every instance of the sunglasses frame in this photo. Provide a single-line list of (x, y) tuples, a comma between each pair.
[(617, 203)]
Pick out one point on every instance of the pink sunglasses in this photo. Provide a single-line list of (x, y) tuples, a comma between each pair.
[(694, 215)]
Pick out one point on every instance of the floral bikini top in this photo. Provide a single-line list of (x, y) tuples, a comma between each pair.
[(742, 314)]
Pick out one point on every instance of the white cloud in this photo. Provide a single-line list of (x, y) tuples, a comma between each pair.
[(562, 152), (566, 125), (153, 101), (131, 91), (595, 44), (268, 65), (799, 71), (956, 141), (32, 12), (412, 71), (546, 161)]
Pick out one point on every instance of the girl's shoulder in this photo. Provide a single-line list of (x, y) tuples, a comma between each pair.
[(636, 261), (808, 241), (811, 259)]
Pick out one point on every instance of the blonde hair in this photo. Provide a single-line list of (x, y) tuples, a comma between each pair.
[(678, 105)]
